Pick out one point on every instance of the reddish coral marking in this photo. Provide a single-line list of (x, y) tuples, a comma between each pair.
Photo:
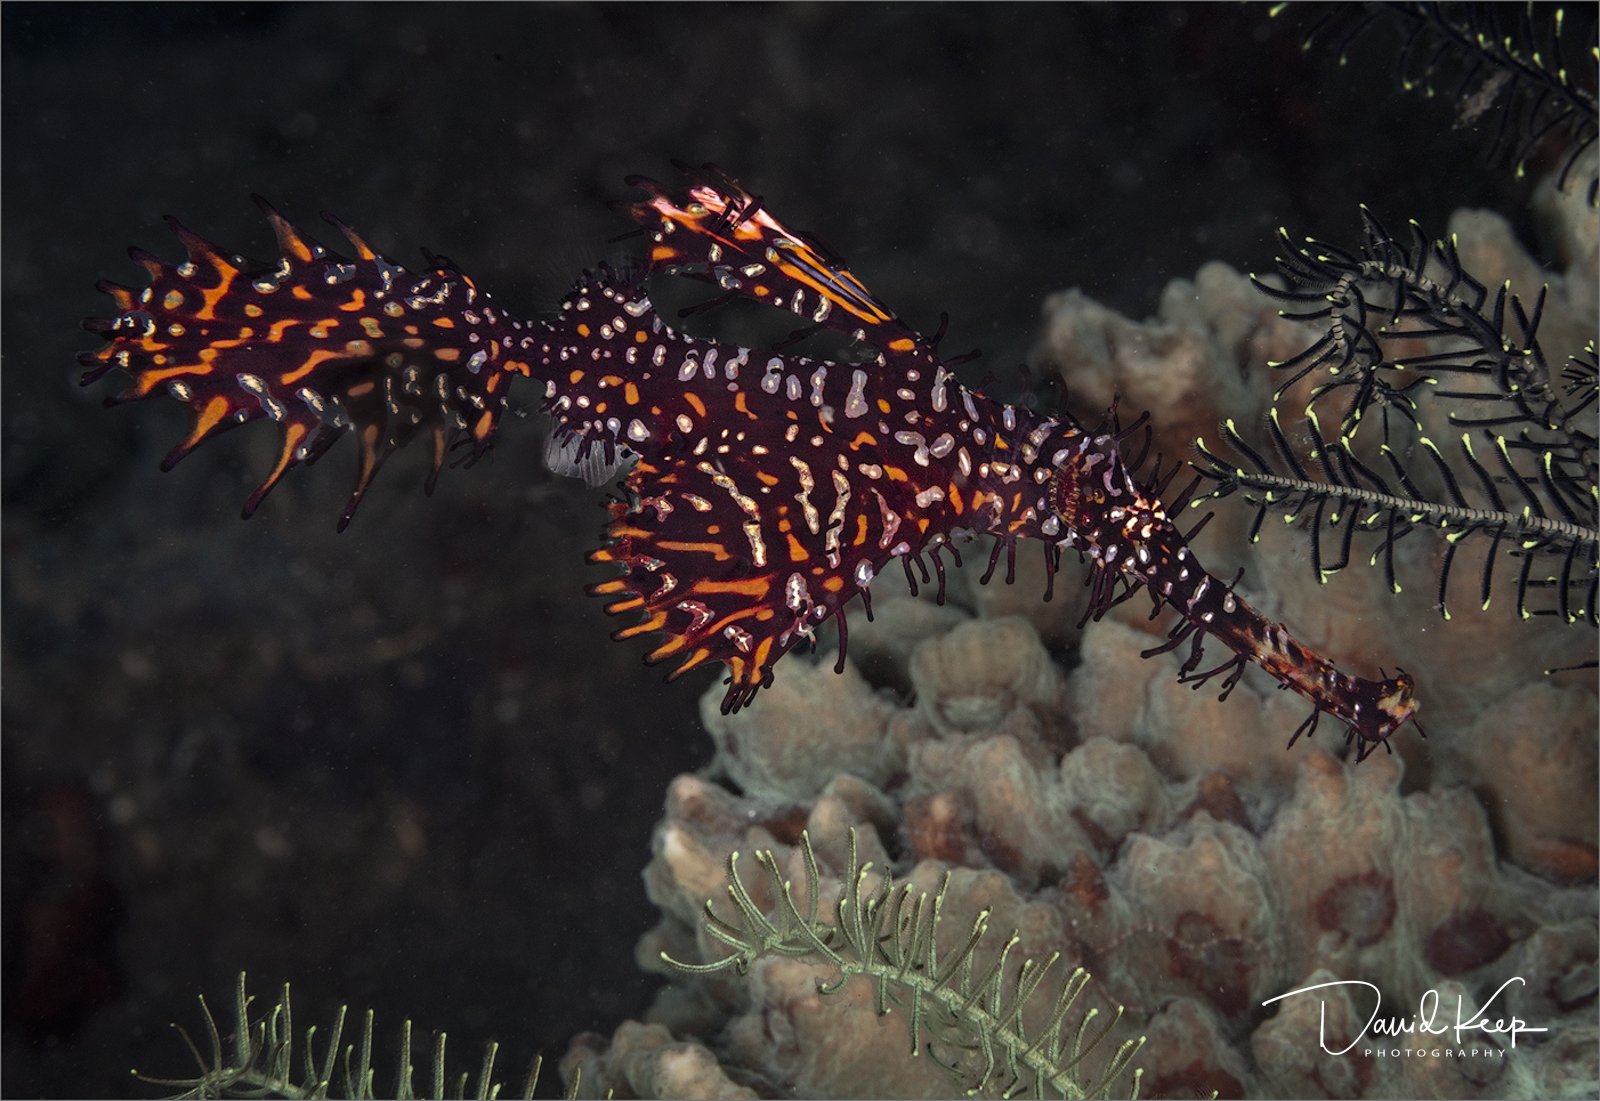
[(1360, 906), (1466, 941)]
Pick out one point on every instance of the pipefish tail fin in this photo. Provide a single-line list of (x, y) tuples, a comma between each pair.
[(320, 344)]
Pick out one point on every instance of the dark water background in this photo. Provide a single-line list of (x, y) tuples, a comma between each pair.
[(403, 766)]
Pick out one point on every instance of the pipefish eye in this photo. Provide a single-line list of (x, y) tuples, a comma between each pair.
[(1063, 493)]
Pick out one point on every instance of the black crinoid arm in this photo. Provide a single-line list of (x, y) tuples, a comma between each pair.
[(1476, 437), (1522, 73)]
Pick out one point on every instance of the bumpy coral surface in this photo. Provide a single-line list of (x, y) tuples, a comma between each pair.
[(1164, 840)]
